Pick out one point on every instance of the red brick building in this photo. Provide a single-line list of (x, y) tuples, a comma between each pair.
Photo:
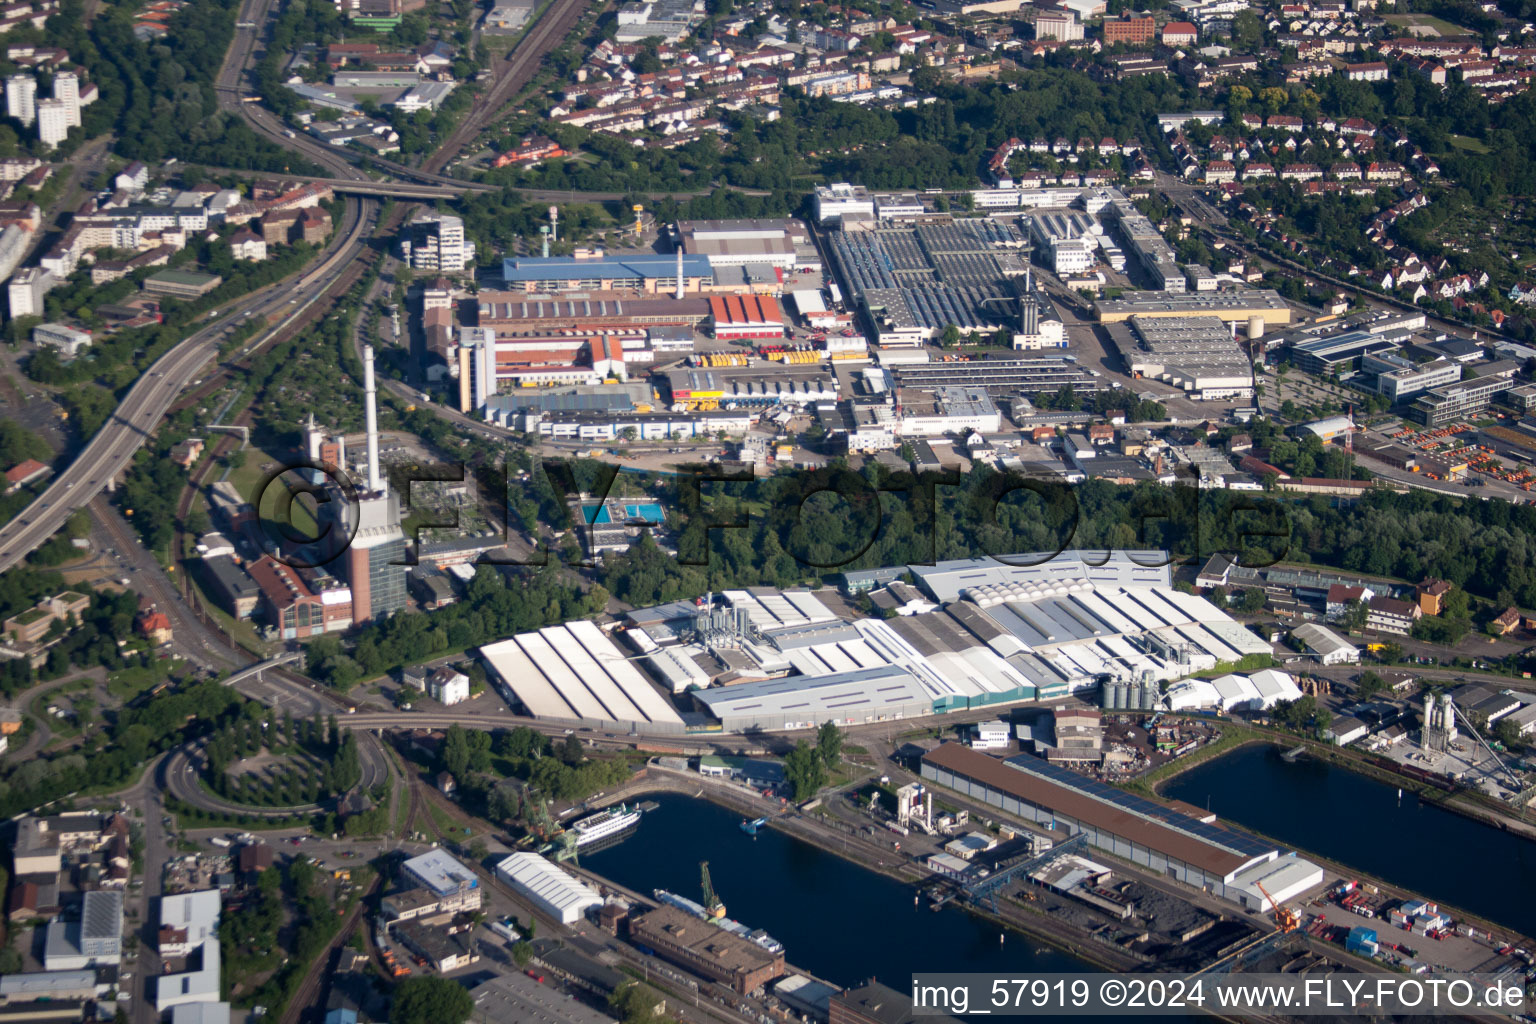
[(1130, 30)]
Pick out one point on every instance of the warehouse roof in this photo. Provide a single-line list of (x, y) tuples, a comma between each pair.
[(838, 693), (611, 268), (945, 580), (440, 872), (540, 878), (745, 309), (1155, 826)]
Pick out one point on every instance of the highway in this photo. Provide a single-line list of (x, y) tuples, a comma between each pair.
[(109, 452)]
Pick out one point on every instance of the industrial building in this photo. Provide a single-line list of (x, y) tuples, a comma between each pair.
[(1337, 353), (438, 873), (1155, 836), (550, 888), (1145, 243), (1237, 305), (729, 387), (631, 274), (95, 940), (1004, 634), (749, 316), (1196, 353), (1071, 239), (1399, 378), (374, 562), (995, 633), (1322, 643), (706, 949), (913, 282), (575, 673), (196, 914), (1452, 403), (1000, 376), (774, 243), (1256, 692), (511, 313)]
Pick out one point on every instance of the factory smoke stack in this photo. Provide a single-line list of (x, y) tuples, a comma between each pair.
[(374, 483), (679, 271)]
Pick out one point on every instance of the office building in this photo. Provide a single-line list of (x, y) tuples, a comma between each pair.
[(445, 878), (1400, 378), (435, 242), (68, 340), (1452, 403), (842, 201), (96, 940)]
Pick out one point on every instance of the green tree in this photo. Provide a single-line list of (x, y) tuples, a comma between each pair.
[(428, 1000), (829, 744), (635, 1003), (1369, 685), (805, 771), (572, 752)]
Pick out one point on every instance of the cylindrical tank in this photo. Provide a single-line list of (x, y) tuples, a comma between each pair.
[(1255, 328), (1106, 696), (1117, 695), (1148, 696)]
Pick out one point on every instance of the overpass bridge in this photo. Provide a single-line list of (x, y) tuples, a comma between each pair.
[(255, 671)]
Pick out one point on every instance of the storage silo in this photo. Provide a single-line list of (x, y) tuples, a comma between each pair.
[(1149, 695), (1255, 328)]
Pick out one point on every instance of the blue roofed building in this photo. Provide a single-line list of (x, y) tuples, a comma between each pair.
[(634, 274)]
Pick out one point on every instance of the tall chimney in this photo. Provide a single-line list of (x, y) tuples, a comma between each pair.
[(375, 485), (679, 270)]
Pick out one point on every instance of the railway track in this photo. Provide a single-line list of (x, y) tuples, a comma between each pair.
[(519, 67)]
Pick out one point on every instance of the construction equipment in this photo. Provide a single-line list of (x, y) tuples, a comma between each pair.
[(712, 903), (1286, 919)]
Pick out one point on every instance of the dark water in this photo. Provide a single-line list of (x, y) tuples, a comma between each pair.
[(835, 919), (1360, 822)]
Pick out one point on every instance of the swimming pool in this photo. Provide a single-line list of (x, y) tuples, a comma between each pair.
[(599, 514)]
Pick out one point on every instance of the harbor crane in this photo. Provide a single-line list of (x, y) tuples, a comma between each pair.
[(712, 904), (1286, 919)]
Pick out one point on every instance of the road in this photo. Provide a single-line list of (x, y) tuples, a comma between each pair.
[(134, 421)]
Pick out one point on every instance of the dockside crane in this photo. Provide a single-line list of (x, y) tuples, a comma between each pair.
[(712, 904), (1286, 919)]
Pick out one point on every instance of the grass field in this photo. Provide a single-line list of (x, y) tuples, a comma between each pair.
[(1439, 25), (1470, 145), (251, 476)]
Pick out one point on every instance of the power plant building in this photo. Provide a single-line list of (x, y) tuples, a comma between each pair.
[(375, 560)]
